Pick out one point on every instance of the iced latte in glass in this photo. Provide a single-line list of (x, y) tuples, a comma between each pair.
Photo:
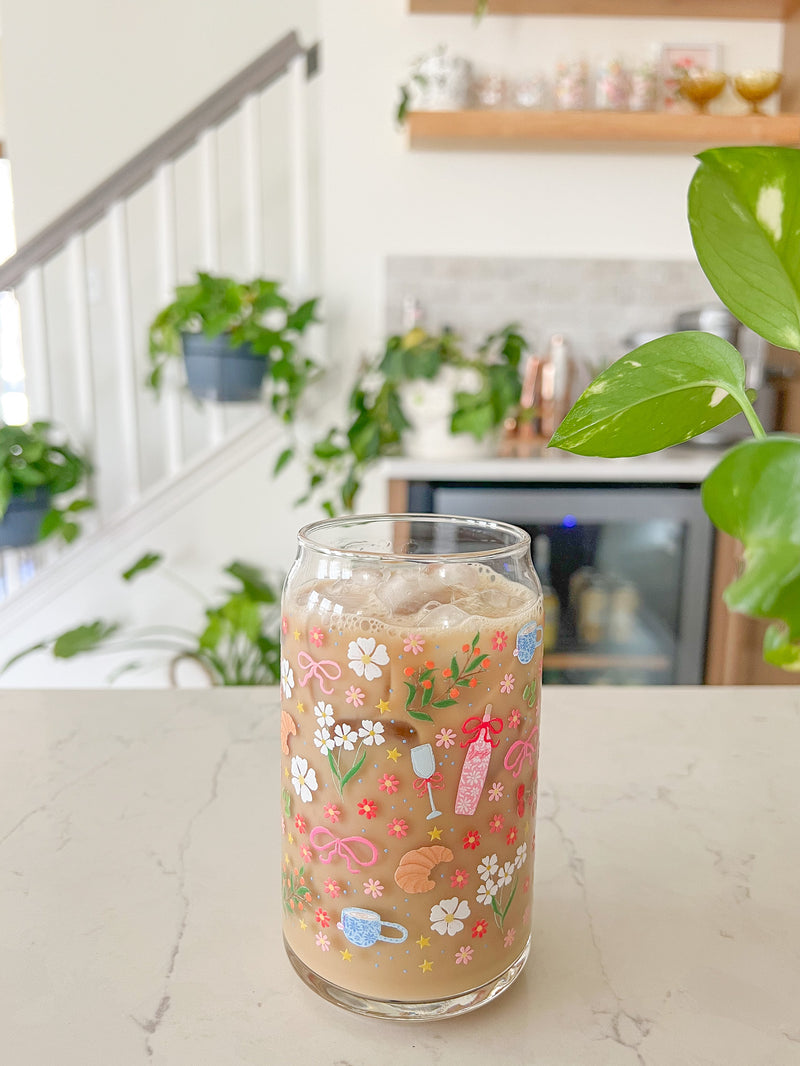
[(410, 693)]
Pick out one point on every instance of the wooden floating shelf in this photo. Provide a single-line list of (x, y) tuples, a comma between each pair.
[(771, 10), (499, 130)]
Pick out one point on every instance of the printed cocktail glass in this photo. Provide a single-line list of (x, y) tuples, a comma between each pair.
[(411, 664)]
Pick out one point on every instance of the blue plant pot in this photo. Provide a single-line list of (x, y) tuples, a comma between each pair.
[(217, 371), (20, 525)]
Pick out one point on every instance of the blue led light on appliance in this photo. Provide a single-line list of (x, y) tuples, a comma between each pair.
[(569, 521)]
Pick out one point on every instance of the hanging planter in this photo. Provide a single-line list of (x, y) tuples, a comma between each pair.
[(21, 525), (218, 370)]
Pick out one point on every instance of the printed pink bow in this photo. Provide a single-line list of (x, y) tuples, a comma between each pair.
[(435, 781), (520, 752), (482, 726), (329, 846), (325, 670)]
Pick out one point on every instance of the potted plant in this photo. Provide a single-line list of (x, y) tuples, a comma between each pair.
[(744, 206), (35, 467), (230, 333), (238, 642), (472, 393)]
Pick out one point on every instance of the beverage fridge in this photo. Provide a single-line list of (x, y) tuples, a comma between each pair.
[(626, 571)]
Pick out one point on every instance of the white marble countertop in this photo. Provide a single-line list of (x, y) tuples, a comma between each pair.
[(686, 465), (140, 914)]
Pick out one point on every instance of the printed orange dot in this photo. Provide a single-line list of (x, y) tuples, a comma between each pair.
[(447, 673), (299, 906), (477, 651), (472, 682), (409, 670), (465, 647), (427, 684), (453, 693), (429, 663), (485, 664)]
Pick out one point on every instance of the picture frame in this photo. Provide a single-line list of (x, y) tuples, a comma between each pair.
[(677, 57)]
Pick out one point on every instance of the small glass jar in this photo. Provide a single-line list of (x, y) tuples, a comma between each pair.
[(490, 91), (411, 667), (570, 86), (612, 86)]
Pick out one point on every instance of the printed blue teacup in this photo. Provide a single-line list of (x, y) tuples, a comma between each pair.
[(529, 638), (363, 927)]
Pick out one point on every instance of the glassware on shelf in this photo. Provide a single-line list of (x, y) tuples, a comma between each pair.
[(612, 86), (530, 93), (489, 91), (643, 87), (701, 86), (571, 81), (755, 86)]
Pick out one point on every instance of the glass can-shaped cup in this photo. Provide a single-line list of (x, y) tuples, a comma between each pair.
[(411, 666)]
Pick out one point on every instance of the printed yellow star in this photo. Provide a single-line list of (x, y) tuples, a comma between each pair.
[(297, 634), (301, 707), (435, 833), (303, 923), (424, 941), (346, 955), (286, 857), (393, 754), (286, 771), (382, 706), (426, 966), (290, 838)]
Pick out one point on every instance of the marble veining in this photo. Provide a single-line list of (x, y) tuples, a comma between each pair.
[(139, 889)]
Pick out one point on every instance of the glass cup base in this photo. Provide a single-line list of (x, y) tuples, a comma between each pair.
[(424, 1010)]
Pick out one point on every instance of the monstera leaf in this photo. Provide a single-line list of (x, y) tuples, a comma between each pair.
[(754, 495)]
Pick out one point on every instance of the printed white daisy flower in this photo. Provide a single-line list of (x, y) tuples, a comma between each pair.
[(371, 732), (486, 892), (488, 868), (287, 679), (522, 854), (446, 916), (345, 737), (505, 874), (323, 740), (304, 778), (324, 713), (366, 658)]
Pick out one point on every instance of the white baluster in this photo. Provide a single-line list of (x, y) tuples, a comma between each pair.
[(209, 231), (12, 578), (124, 348), (253, 213), (81, 341), (167, 273), (299, 194), (35, 354)]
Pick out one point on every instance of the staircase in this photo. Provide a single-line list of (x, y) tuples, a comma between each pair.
[(229, 189)]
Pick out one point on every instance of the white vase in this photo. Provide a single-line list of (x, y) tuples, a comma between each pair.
[(428, 406)]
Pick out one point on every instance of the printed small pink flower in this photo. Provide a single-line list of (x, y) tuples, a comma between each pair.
[(499, 640), (321, 940), (367, 808), (300, 823), (445, 738), (322, 917), (526, 884), (496, 823), (398, 827), (413, 643), (388, 784), (471, 839), (459, 878), (496, 791), (526, 915), (373, 888), (283, 826), (316, 636), (508, 939), (464, 954), (307, 853), (332, 887), (285, 624), (479, 928), (355, 696), (332, 812), (511, 835), (514, 718), (507, 684)]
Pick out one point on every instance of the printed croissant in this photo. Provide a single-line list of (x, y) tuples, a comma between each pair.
[(287, 726), (413, 869)]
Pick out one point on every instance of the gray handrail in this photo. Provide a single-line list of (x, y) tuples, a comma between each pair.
[(132, 175)]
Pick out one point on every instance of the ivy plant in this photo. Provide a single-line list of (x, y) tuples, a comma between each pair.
[(375, 420), (744, 215)]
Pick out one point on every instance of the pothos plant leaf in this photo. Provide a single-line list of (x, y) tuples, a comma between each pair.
[(753, 494), (661, 394), (744, 213)]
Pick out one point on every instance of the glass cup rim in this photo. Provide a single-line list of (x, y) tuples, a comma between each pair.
[(518, 543)]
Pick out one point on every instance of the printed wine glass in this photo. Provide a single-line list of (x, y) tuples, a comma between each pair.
[(423, 763)]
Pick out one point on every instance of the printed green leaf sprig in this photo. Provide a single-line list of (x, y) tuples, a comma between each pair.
[(438, 687), (744, 215)]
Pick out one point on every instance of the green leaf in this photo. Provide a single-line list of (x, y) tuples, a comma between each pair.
[(427, 696), (354, 769), (23, 654), (253, 582), (753, 494), (6, 486), (337, 777), (744, 213), (779, 650), (420, 716), (285, 457), (83, 638), (144, 562), (476, 662), (448, 702), (412, 691), (661, 394)]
